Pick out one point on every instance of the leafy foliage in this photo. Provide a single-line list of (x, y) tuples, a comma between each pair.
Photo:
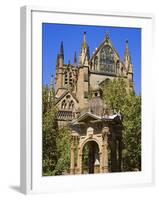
[(117, 97), (132, 134), (49, 134), (63, 151), (56, 142)]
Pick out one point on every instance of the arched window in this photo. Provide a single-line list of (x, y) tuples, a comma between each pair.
[(107, 59), (70, 79), (71, 105), (66, 78), (63, 105), (68, 97)]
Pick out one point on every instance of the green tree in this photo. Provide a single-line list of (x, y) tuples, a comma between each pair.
[(49, 130), (56, 142), (132, 134), (117, 97), (63, 142)]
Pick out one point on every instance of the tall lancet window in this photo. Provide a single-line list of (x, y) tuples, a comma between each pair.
[(71, 105), (70, 79), (66, 78), (63, 105), (107, 63)]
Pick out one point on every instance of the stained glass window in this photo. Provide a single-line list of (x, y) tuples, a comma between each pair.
[(107, 63)]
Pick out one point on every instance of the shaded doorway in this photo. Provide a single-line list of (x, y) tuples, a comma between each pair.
[(90, 158)]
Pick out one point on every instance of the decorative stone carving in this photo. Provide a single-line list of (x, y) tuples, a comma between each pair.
[(90, 131)]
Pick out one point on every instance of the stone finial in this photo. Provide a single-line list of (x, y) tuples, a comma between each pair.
[(127, 47), (75, 58), (61, 48), (84, 40), (107, 37)]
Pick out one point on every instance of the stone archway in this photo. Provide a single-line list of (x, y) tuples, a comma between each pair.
[(82, 143), (90, 157), (100, 139)]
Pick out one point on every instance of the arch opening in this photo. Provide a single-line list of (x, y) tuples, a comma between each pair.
[(90, 158)]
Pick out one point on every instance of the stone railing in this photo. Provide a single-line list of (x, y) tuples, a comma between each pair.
[(65, 115)]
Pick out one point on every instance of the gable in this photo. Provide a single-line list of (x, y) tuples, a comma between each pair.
[(86, 117), (67, 101), (107, 42), (105, 59)]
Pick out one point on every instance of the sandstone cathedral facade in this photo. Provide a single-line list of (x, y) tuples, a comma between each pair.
[(80, 105)]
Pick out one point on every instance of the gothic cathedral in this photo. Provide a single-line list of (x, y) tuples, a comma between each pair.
[(80, 105)]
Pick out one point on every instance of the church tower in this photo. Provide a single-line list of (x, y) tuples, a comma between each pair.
[(83, 74), (59, 69), (59, 66), (128, 65)]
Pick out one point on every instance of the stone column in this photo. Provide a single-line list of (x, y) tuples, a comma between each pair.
[(72, 166), (105, 132), (101, 161), (80, 163), (96, 167), (114, 166)]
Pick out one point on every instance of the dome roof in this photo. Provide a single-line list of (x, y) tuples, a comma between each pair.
[(97, 106)]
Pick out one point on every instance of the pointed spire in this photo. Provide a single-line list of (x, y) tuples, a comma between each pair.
[(127, 56), (84, 44), (60, 57), (127, 48), (84, 40), (127, 59), (75, 58), (84, 56), (61, 50), (107, 37)]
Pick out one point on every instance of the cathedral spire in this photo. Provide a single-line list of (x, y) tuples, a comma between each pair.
[(84, 40), (128, 65), (127, 56), (75, 58), (107, 37), (60, 57), (84, 56), (59, 67), (61, 50)]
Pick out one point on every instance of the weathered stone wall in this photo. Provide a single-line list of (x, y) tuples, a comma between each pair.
[(82, 87), (96, 78)]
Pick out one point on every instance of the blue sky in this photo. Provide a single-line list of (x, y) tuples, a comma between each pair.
[(72, 37)]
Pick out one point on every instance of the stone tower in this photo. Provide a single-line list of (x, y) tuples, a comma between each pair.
[(59, 71)]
